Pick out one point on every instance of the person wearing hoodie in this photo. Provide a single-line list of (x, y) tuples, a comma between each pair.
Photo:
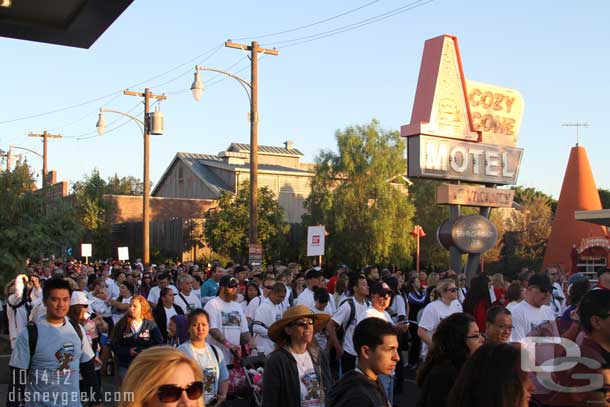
[(177, 331), (376, 342)]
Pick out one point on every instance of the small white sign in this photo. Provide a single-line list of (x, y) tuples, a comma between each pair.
[(315, 241), (123, 253), (85, 250)]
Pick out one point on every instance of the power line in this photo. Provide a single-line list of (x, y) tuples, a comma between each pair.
[(62, 109), (313, 37), (309, 25)]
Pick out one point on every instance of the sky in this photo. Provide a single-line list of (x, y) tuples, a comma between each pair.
[(554, 52)]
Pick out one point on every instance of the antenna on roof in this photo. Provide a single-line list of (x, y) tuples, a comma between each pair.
[(578, 125)]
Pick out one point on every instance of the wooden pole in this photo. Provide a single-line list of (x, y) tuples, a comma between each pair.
[(254, 51), (147, 95), (417, 254)]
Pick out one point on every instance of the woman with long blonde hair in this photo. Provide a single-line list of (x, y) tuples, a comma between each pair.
[(133, 333), (161, 377)]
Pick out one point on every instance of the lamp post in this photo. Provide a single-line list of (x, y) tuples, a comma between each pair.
[(418, 232), (9, 156), (251, 89), (152, 124)]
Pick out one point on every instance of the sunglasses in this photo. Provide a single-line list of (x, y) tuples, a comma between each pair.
[(451, 290), (170, 393), (302, 324), (268, 287)]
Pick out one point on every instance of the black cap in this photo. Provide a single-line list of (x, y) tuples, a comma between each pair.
[(228, 281), (381, 288), (541, 281)]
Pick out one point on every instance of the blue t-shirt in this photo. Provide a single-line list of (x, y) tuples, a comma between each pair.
[(53, 378), (214, 368)]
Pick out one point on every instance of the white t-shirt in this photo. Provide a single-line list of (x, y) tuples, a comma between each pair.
[(527, 318), (306, 298), (229, 318), (169, 313), (322, 336), (311, 395), (266, 315), (192, 301), (433, 314), (556, 302), (254, 304), (398, 307), (341, 318), (372, 312), (511, 305), (113, 288), (17, 317), (155, 293)]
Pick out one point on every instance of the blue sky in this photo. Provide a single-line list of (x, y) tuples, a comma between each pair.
[(554, 52)]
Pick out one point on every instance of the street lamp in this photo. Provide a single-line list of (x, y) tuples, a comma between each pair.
[(418, 232), (152, 124)]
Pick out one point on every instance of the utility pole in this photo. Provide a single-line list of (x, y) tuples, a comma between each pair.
[(254, 51), (577, 125), (45, 137), (147, 95)]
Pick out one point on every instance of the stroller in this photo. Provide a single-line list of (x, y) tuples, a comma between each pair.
[(245, 382)]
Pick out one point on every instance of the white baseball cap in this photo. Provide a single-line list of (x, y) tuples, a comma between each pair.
[(79, 298)]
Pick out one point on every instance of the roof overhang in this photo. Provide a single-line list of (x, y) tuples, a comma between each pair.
[(74, 23), (600, 217)]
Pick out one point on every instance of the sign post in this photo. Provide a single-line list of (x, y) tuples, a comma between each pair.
[(463, 130), (123, 253), (85, 251), (315, 242), (255, 254)]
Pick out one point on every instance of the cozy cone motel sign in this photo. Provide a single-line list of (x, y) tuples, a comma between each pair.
[(459, 129), (464, 131)]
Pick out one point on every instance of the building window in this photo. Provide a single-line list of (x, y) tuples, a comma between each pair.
[(180, 175)]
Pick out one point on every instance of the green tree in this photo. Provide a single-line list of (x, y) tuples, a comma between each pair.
[(28, 227), (528, 231), (604, 196), (96, 213), (227, 227), (360, 196)]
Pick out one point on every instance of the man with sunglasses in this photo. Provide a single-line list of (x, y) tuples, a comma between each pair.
[(228, 324), (533, 316)]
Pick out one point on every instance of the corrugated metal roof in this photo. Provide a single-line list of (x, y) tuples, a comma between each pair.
[(238, 147)]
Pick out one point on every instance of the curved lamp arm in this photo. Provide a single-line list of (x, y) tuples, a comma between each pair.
[(245, 84), (101, 122), (27, 149)]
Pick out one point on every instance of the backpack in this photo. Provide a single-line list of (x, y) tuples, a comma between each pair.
[(33, 335), (352, 314)]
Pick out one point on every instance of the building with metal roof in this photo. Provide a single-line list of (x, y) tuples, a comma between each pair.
[(205, 176)]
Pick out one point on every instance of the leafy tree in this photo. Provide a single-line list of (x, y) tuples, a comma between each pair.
[(604, 196), (95, 213), (227, 227), (359, 195), (28, 227), (526, 194), (528, 232)]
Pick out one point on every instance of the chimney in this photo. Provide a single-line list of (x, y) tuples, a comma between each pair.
[(288, 144)]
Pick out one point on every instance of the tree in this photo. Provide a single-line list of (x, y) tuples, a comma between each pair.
[(529, 229), (96, 213), (28, 226), (227, 227), (604, 196), (358, 194)]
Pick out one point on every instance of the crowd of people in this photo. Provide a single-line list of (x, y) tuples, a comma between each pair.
[(340, 337)]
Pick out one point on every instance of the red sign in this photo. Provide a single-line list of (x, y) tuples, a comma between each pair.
[(315, 240)]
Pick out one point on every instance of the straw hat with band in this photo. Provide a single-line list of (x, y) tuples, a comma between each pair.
[(292, 314)]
